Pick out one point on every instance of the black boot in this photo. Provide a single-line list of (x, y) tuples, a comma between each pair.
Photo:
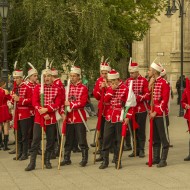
[(156, 156), (66, 160), (6, 139), (24, 151), (18, 157), (133, 154), (1, 141), (84, 157), (163, 162), (53, 155), (116, 159), (105, 162), (188, 157), (32, 164), (47, 160), (100, 158), (19, 152), (141, 151)]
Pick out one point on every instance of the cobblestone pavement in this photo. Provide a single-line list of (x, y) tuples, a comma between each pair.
[(134, 174)]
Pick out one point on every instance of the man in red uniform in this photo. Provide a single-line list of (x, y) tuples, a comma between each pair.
[(22, 95), (140, 89), (161, 93), (99, 92), (32, 82), (76, 116), (116, 95), (186, 105), (52, 102)]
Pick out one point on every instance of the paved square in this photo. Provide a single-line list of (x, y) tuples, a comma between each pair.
[(133, 176)]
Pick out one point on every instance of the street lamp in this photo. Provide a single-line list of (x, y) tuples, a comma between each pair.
[(172, 9), (4, 6)]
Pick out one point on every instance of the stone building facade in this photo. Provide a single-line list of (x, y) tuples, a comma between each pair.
[(163, 41)]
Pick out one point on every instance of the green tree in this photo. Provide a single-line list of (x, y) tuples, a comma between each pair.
[(81, 30)]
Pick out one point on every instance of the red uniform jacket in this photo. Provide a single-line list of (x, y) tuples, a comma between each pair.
[(32, 86), (116, 98), (57, 82), (52, 101), (97, 92), (184, 102), (4, 110), (25, 100), (78, 97), (161, 95), (141, 91)]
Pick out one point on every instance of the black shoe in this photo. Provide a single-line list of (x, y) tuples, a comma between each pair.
[(187, 158), (100, 159), (48, 165), (18, 157), (153, 162), (93, 145), (83, 163), (65, 162), (103, 165), (162, 163), (127, 148), (133, 154), (30, 167), (23, 157), (6, 148), (12, 151), (141, 154), (116, 164)]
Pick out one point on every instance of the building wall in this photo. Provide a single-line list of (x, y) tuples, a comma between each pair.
[(163, 42)]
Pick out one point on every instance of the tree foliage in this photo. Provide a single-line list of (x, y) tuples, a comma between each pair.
[(81, 30)]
